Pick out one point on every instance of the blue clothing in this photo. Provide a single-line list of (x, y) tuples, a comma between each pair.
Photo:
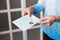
[(52, 7)]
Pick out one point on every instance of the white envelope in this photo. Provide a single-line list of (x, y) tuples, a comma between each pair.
[(23, 22)]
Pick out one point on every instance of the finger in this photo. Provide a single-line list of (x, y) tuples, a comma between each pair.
[(43, 19), (23, 13), (48, 24), (29, 13), (44, 22)]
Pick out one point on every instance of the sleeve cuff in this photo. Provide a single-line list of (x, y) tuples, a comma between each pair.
[(37, 8)]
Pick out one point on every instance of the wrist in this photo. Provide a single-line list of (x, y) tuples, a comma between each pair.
[(55, 18), (31, 9)]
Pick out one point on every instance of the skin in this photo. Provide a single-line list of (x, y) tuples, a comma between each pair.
[(28, 11), (48, 20)]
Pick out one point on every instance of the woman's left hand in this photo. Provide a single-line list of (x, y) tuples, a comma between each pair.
[(48, 20)]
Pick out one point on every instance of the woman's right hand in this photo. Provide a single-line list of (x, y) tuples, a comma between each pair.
[(28, 11)]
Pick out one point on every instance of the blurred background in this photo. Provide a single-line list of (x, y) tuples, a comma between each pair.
[(11, 10)]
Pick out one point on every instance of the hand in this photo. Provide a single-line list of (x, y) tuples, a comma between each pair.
[(48, 20), (28, 11)]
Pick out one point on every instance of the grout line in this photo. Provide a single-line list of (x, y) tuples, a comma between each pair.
[(3, 11), (24, 35), (17, 30), (41, 33), (16, 9), (9, 19), (23, 6), (11, 10), (4, 32)]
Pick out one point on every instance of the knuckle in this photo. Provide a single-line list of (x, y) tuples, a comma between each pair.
[(48, 21)]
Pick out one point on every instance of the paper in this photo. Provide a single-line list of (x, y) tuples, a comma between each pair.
[(23, 22)]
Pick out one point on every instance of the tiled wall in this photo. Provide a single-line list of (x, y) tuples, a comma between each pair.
[(9, 11)]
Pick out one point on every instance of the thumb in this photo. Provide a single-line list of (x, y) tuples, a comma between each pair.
[(29, 13)]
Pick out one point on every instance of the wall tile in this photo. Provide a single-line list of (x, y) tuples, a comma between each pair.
[(15, 4), (4, 22), (5, 37), (3, 4), (34, 34), (17, 36)]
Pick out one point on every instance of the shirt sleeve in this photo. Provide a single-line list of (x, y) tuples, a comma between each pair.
[(39, 6)]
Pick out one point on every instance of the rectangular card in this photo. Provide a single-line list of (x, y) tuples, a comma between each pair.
[(24, 22)]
